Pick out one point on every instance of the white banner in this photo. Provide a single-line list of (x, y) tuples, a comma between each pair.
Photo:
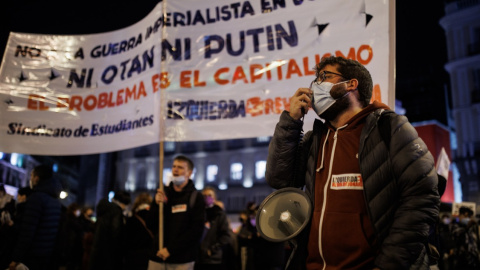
[(228, 71)]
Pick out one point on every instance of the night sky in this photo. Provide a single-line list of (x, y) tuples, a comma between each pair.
[(420, 40)]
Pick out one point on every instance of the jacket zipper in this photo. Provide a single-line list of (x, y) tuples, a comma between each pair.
[(325, 189)]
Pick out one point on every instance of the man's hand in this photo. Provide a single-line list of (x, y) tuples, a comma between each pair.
[(160, 197), (300, 102), (163, 253)]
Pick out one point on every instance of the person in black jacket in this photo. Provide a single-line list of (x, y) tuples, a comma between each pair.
[(371, 179), (108, 249), (183, 221), (40, 224), (139, 238), (216, 234), (9, 231)]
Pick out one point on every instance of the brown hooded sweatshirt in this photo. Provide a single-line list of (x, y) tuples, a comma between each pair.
[(341, 234)]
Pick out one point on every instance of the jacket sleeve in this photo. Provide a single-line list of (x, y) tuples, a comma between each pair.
[(223, 232), (283, 153), (416, 185)]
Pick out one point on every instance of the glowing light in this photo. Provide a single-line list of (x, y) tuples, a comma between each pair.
[(247, 183), (14, 159), (63, 194)]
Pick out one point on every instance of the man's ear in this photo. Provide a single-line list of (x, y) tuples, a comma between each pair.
[(352, 84)]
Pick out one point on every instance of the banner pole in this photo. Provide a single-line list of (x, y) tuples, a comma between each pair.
[(160, 206), (162, 135)]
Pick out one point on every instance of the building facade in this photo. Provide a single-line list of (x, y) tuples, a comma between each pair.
[(462, 29)]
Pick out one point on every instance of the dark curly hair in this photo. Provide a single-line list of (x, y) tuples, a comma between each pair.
[(350, 69)]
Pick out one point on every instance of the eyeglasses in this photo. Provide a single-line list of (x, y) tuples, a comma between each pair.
[(326, 75)]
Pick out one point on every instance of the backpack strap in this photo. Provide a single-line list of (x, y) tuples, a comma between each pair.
[(384, 127), (193, 198)]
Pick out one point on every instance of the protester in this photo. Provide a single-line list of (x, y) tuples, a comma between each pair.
[(245, 235), (216, 234), (73, 246), (10, 225), (183, 221), (466, 241), (370, 177), (39, 227), (7, 204), (139, 238), (446, 243), (88, 228), (108, 250)]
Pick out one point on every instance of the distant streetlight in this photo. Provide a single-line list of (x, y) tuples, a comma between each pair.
[(63, 194)]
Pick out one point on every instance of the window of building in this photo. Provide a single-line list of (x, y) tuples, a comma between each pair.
[(260, 167), (189, 147), (262, 141), (212, 172), (211, 145), (166, 176), (235, 143), (476, 86), (474, 47), (236, 171), (169, 146), (143, 151)]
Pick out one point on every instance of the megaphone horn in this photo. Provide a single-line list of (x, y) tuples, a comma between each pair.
[(283, 214)]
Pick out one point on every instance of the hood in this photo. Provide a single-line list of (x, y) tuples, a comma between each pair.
[(360, 117)]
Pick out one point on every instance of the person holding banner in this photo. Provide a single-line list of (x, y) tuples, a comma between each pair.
[(370, 178), (183, 222)]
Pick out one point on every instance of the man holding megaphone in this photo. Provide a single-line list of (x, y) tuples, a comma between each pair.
[(370, 179)]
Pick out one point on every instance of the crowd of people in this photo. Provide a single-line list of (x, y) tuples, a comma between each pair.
[(123, 233), (458, 241)]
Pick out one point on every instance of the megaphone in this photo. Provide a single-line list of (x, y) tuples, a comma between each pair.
[(283, 214)]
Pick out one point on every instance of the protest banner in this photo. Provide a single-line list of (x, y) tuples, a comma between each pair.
[(226, 70)]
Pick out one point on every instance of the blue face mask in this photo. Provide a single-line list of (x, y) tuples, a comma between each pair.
[(322, 100)]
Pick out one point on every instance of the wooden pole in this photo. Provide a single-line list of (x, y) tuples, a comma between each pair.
[(162, 135), (160, 206)]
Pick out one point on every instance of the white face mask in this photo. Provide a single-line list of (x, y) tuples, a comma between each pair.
[(178, 180), (322, 100), (465, 221)]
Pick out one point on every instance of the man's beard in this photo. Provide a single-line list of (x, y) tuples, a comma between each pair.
[(336, 109)]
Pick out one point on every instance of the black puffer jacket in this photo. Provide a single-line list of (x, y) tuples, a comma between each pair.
[(400, 184), (40, 224)]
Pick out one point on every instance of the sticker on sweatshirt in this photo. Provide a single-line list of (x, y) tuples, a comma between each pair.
[(347, 181), (179, 208)]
